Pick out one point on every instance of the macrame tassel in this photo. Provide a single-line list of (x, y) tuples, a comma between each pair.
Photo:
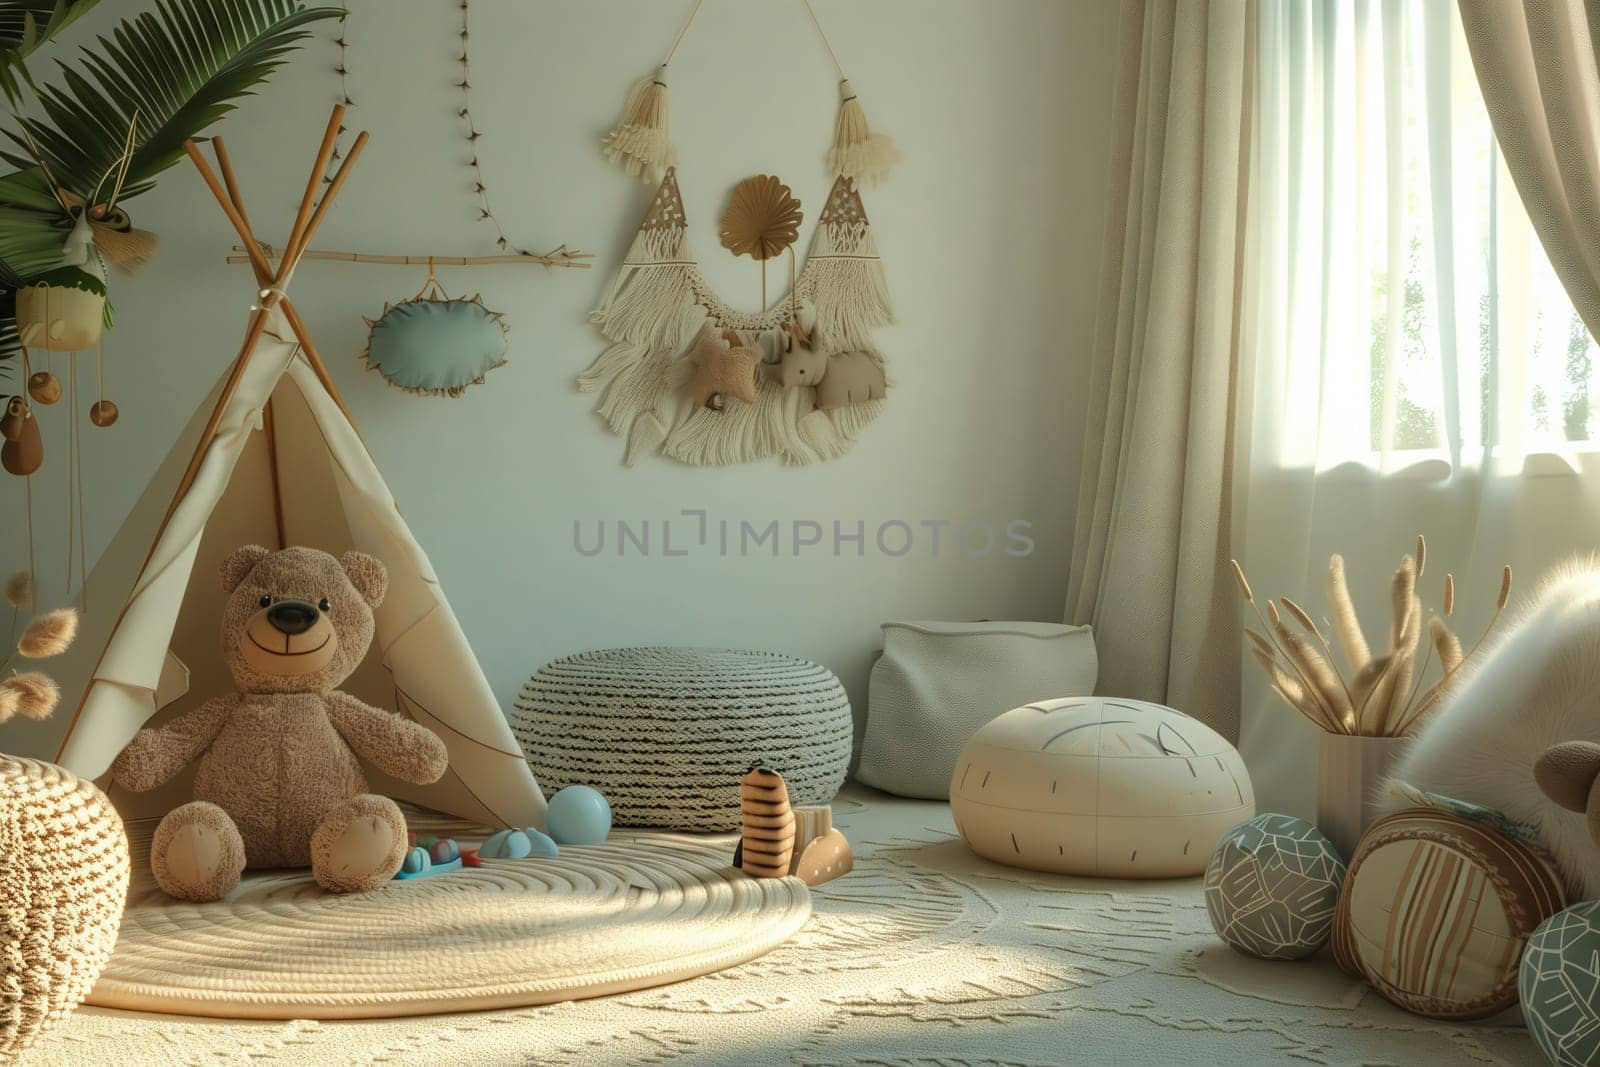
[(857, 152), (641, 142)]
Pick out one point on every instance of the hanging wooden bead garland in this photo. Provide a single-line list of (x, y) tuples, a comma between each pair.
[(102, 412), (44, 387)]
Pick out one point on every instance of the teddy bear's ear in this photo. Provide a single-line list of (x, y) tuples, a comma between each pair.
[(1566, 773), (240, 562), (367, 574)]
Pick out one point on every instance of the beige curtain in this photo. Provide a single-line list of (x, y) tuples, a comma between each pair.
[(1537, 66), (1155, 497)]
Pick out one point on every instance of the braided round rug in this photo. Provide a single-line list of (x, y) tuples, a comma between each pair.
[(644, 909)]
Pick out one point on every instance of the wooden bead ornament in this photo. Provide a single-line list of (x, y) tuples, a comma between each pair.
[(44, 387), (11, 422), (23, 452), (768, 842), (102, 412)]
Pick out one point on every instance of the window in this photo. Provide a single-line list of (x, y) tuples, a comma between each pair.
[(1402, 291)]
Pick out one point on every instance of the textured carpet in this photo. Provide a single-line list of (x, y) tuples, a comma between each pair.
[(641, 910), (925, 956)]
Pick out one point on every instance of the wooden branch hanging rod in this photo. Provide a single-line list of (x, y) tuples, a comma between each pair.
[(557, 257)]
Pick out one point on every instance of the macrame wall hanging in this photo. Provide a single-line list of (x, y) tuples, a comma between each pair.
[(691, 378), (433, 344)]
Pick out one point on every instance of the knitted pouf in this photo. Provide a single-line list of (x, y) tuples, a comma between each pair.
[(665, 733), (63, 882)]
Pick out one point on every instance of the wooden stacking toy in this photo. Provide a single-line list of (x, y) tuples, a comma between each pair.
[(821, 852), (768, 842), (779, 840)]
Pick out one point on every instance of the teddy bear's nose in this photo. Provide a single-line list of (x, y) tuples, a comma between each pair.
[(292, 616)]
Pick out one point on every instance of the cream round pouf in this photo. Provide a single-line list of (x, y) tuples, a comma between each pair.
[(1099, 786), (666, 733), (63, 882)]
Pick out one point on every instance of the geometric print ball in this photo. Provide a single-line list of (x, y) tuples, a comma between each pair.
[(1272, 887), (1560, 985)]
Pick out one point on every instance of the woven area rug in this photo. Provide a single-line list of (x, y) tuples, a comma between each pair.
[(641, 910), (924, 956)]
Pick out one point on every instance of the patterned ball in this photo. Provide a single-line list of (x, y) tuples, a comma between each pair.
[(1272, 887), (1560, 985)]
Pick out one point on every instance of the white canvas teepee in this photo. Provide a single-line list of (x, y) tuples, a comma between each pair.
[(274, 459)]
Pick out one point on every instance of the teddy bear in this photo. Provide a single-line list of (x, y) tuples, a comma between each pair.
[(1567, 773), (278, 782)]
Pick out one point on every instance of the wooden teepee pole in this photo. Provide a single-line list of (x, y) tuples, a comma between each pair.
[(233, 207)]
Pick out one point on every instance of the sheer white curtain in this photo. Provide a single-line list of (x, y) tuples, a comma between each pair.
[(1412, 363)]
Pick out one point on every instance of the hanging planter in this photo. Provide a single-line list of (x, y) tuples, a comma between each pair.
[(62, 310)]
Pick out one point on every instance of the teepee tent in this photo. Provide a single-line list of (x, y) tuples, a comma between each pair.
[(275, 459)]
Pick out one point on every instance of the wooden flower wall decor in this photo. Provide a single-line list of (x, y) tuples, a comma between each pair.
[(762, 218)]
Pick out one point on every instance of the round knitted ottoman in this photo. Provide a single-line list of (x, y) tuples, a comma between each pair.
[(665, 733), (63, 881)]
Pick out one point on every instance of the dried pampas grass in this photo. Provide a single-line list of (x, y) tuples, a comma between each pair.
[(31, 694), (19, 589), (37, 694), (49, 634), (1382, 695)]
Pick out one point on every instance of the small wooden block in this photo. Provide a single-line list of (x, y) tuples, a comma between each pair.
[(824, 859)]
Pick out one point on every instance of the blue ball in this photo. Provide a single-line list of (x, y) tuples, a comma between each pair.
[(579, 815)]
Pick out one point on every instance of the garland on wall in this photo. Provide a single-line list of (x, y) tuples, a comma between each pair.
[(432, 343), (688, 376)]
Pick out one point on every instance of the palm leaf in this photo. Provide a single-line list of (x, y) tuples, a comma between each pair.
[(181, 68), (25, 25)]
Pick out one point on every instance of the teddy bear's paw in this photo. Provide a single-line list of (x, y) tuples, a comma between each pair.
[(359, 844), (197, 853)]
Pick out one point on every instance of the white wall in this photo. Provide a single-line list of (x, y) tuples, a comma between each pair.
[(990, 232)]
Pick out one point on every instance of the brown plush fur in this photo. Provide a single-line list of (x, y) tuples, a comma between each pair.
[(278, 759)]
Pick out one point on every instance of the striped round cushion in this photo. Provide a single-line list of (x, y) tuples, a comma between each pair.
[(1436, 909), (665, 733)]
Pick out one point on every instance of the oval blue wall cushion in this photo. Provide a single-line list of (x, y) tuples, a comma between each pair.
[(436, 347)]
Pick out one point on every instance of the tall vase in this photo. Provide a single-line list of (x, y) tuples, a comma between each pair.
[(1350, 771)]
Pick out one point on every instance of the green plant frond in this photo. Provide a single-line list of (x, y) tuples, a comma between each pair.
[(30, 243), (27, 188), (25, 25), (180, 68)]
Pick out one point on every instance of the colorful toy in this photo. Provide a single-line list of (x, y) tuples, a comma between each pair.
[(517, 844), (434, 855), (579, 815)]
